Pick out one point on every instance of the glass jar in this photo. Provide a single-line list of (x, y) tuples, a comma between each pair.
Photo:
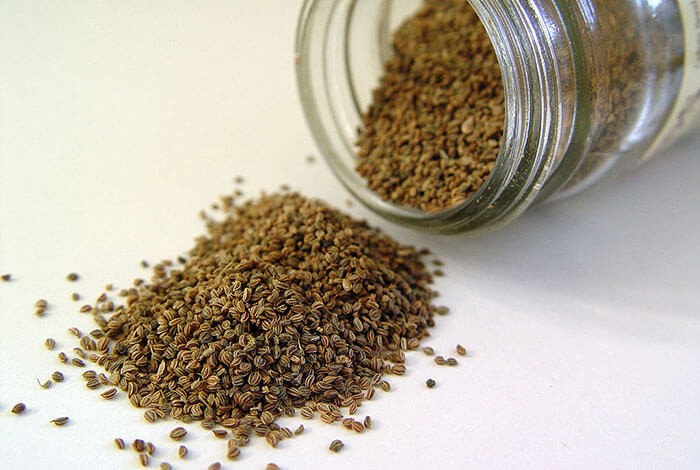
[(591, 87)]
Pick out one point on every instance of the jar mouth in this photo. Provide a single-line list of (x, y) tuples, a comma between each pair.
[(534, 136)]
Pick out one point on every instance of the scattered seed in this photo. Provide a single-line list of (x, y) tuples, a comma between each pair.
[(272, 466), (144, 264), (109, 394), (57, 376), (336, 445), (358, 426), (233, 453), (119, 442), (7, 277), (139, 445), (299, 430), (439, 360), (165, 466), (442, 310), (89, 374), (150, 416), (72, 277), (430, 383), (75, 332), (385, 386), (77, 362), (215, 466), (150, 448), (182, 452), (220, 433), (46, 384), (310, 159), (50, 343), (451, 361), (86, 308), (75, 296), (143, 459), (461, 350), (367, 422), (41, 303), (63, 357), (428, 351), (438, 273), (60, 421), (18, 408), (178, 433)]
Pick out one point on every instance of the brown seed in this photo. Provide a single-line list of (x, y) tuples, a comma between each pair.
[(150, 416), (439, 360), (367, 422), (357, 426), (438, 273), (299, 430), (165, 466), (451, 361), (75, 296), (428, 351), (215, 466), (430, 383), (46, 384), (461, 350), (442, 310), (72, 277), (60, 421), (150, 448), (220, 433), (182, 452), (272, 466), (92, 384), (63, 357), (75, 332), (386, 386), (86, 308), (139, 445), (119, 442), (266, 417), (89, 374), (41, 303), (57, 376), (18, 408), (50, 343), (307, 413), (233, 453), (109, 394), (77, 362), (143, 459), (178, 433), (336, 445), (398, 369), (7, 277), (79, 352), (144, 264)]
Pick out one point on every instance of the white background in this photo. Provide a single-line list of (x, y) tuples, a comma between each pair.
[(119, 121)]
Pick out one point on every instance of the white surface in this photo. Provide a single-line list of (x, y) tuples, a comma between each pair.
[(119, 121)]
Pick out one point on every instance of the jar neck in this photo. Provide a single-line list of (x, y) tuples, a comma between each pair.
[(537, 58)]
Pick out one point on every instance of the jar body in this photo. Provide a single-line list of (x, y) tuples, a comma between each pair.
[(591, 87)]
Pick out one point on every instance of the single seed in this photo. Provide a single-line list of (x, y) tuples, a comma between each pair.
[(430, 383), (451, 361), (165, 466), (85, 308), (150, 448), (109, 394), (75, 296), (178, 433), (60, 421), (79, 352), (50, 343), (461, 350), (438, 273), (72, 277), (233, 453), (439, 360), (150, 416), (442, 310), (310, 159), (220, 433), (77, 362), (109, 287), (139, 445), (89, 374), (215, 466), (357, 426), (18, 408), (41, 303), (7, 277), (182, 452), (336, 445), (57, 376), (75, 332), (367, 422), (46, 384), (239, 179), (144, 264), (272, 466), (386, 386), (143, 459), (119, 442), (428, 351), (63, 357)]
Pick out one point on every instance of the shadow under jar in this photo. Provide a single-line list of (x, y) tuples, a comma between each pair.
[(591, 87)]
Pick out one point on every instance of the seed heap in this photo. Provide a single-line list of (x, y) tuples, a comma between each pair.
[(285, 304), (432, 133)]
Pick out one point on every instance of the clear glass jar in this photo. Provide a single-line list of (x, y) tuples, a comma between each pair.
[(591, 87)]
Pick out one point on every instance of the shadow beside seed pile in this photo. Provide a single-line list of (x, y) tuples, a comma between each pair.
[(284, 304), (432, 133)]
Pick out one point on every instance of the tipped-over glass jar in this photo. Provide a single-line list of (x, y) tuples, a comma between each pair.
[(591, 87)]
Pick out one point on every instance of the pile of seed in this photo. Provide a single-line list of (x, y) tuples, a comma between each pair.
[(284, 304), (432, 133)]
